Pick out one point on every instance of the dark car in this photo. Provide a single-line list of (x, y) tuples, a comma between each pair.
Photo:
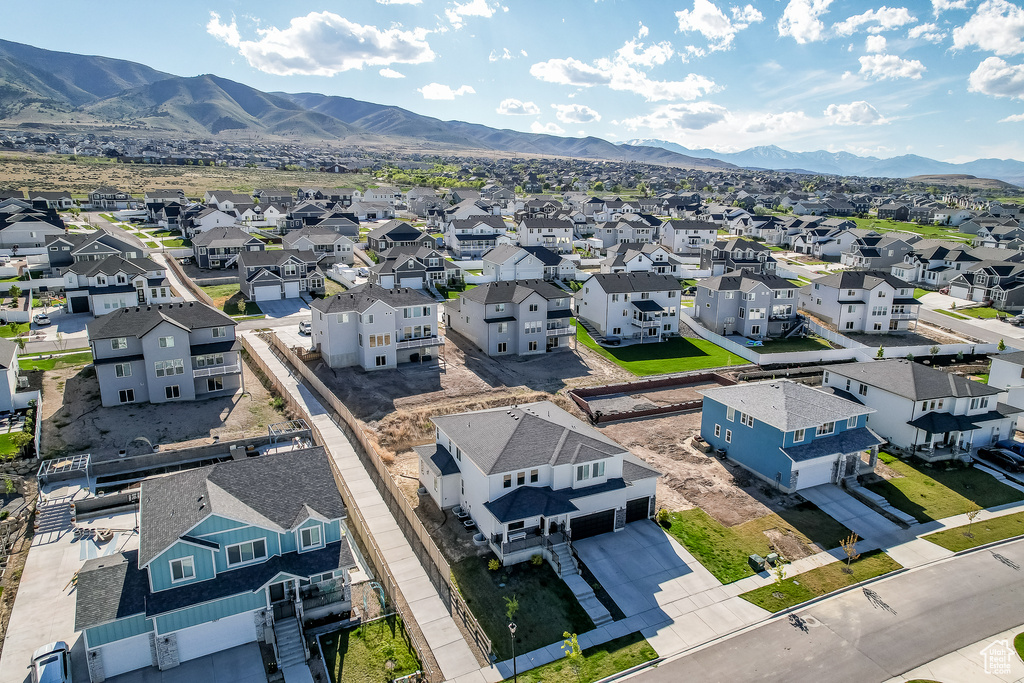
[(1008, 460), (1010, 445)]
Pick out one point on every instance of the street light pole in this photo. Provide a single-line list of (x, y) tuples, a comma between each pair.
[(515, 669)]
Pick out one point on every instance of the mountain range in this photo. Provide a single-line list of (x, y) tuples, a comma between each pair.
[(44, 89)]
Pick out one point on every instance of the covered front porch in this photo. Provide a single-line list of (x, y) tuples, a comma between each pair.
[(943, 436)]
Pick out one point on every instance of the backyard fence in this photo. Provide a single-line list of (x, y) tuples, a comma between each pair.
[(187, 281)]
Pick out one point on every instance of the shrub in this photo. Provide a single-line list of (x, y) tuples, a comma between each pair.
[(537, 560), (493, 564), (663, 518)]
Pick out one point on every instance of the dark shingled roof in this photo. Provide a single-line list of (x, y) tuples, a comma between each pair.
[(361, 297), (531, 501), (113, 265), (139, 320), (273, 491), (634, 282), (861, 279), (913, 380), (849, 441), (229, 236), (506, 291), (275, 257), (439, 456)]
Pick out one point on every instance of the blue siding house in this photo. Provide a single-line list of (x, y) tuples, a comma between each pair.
[(788, 434), (228, 554)]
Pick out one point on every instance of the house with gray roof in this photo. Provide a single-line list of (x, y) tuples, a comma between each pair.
[(641, 307), (725, 256), (472, 237), (531, 476), (64, 249), (552, 233), (219, 247), (376, 328), (278, 274), (512, 262), (750, 304), (331, 246), (868, 301), (417, 266), (227, 554), (934, 414), (790, 435), (636, 257), (99, 287)]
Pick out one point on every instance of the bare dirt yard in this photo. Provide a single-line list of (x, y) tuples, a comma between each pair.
[(75, 422), (646, 400)]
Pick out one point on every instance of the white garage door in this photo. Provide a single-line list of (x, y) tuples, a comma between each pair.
[(291, 290), (267, 293), (222, 634), (814, 472), (414, 282), (126, 655)]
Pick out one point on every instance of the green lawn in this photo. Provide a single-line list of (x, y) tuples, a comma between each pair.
[(18, 329), (981, 312), (152, 245), (951, 314), (724, 550), (331, 287), (677, 354), (227, 298), (821, 581), (918, 292), (784, 345), (982, 532), (930, 493), (599, 662), (547, 607), (7, 447), (65, 361), (1018, 645), (363, 654), (927, 231)]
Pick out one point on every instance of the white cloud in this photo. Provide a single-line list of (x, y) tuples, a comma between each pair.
[(882, 67), (458, 12), (708, 20), (643, 31), (1013, 118), (679, 117), (997, 26), (777, 124), (546, 128), (514, 107), (504, 54), (575, 113), (801, 20), (634, 52), (323, 44), (618, 75), (439, 91), (940, 6), (882, 19), (997, 78), (391, 73), (854, 114), (874, 44), (929, 32)]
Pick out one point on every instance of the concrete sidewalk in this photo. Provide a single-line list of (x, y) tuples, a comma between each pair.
[(449, 648), (179, 286), (992, 659)]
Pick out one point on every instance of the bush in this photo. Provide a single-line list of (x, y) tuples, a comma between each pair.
[(493, 564), (663, 518), (537, 560)]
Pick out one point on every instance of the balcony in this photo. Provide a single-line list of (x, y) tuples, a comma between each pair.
[(903, 316), (646, 323), (422, 341), (561, 331), (211, 371)]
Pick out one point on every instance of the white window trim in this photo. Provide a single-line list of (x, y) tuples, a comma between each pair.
[(185, 562), (254, 560), (313, 546)]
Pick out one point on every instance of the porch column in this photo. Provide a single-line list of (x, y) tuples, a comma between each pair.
[(873, 458)]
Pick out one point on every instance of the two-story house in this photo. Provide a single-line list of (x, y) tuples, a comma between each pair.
[(513, 317), (636, 306), (624, 231), (233, 553), (934, 265), (22, 226), (532, 476), (747, 303), (67, 248), (279, 274), (686, 237), (324, 242), (1006, 373), (109, 199), (1000, 283), (934, 414), (725, 256), (165, 352), (511, 262), (790, 435), (634, 257), (397, 234), (376, 328), (873, 251), (552, 233), (474, 236), (219, 247), (869, 301), (103, 286), (420, 267)]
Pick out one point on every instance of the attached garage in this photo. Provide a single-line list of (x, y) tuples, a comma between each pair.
[(638, 509), (267, 293), (412, 282), (78, 304), (126, 655), (291, 290), (814, 472), (586, 526), (199, 641)]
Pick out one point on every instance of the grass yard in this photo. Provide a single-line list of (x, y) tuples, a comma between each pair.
[(8, 449), (331, 287), (599, 662), (927, 231), (152, 245), (724, 550), (547, 607), (14, 329), (377, 651), (65, 361), (918, 292), (821, 581), (981, 312), (982, 532), (677, 354), (930, 493), (784, 345), (177, 243), (1018, 645), (227, 298), (951, 314)]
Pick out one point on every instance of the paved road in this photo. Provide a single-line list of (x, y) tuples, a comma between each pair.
[(1011, 335), (99, 221), (873, 633)]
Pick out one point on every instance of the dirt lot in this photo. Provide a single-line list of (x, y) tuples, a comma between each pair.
[(645, 400), (75, 422)]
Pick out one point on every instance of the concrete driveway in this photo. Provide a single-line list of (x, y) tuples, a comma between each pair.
[(238, 665), (285, 308), (853, 514)]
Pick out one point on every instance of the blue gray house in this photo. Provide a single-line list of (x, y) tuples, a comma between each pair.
[(229, 554), (788, 434)]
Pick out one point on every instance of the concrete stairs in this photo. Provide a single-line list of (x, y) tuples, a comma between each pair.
[(588, 601), (290, 651), (566, 561)]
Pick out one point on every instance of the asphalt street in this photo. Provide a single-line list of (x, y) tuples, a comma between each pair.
[(871, 633)]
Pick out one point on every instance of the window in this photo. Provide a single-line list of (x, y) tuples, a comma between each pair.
[(166, 368), (863, 390), (755, 330), (182, 569), (534, 476), (290, 269), (123, 370), (506, 482), (532, 345), (173, 391), (502, 328), (851, 423), (826, 428), (582, 472), (119, 343), (520, 478), (746, 420), (502, 347), (533, 308), (380, 340), (824, 379), (381, 361), (126, 396), (597, 469), (798, 436), (718, 431), (166, 342), (979, 403), (499, 308), (247, 552), (730, 414), (214, 383), (310, 537), (728, 436), (219, 332)]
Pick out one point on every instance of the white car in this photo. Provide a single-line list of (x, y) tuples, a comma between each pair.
[(52, 663), (306, 327), (41, 319), (363, 272)]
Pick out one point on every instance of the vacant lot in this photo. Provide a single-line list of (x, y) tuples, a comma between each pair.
[(678, 354), (228, 298)]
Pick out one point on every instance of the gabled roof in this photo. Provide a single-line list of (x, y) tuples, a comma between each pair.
[(138, 321), (316, 235), (396, 231), (513, 291), (744, 281), (112, 265), (228, 236), (276, 257), (861, 279), (634, 282), (361, 297), (786, 405), (912, 380)]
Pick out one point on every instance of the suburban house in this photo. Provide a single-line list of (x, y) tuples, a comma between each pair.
[(115, 282), (634, 257), (228, 554), (511, 262), (934, 265), (725, 256), (10, 398), (1006, 373), (998, 282), (51, 200), (323, 242), (869, 301), (750, 304), (934, 414), (420, 267), (474, 236), (514, 317), (376, 328), (109, 199), (873, 251), (531, 476), (22, 226), (790, 435), (279, 274), (894, 212), (611, 233), (397, 234), (552, 233), (67, 248), (635, 306), (220, 247), (207, 219), (168, 352), (686, 237)]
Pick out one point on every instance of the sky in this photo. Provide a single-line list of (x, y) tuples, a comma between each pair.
[(938, 78)]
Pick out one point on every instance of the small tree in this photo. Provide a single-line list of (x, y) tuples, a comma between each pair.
[(849, 545), (241, 307), (1001, 346), (493, 564), (511, 607), (62, 343), (779, 571), (880, 353), (571, 648), (15, 292), (970, 522)]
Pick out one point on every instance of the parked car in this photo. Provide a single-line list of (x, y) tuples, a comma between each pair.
[(611, 341), (52, 663), (305, 327), (363, 272), (41, 319), (1008, 460), (1010, 445)]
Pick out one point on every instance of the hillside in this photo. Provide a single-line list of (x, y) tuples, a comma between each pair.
[(954, 180)]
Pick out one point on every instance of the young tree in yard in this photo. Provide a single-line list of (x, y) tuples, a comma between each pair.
[(849, 545), (779, 571), (571, 648), (511, 607), (15, 292), (1001, 346), (241, 307), (881, 352), (61, 341), (970, 522)]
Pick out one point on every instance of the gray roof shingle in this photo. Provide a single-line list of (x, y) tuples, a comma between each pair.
[(361, 297), (786, 405), (913, 380), (139, 320)]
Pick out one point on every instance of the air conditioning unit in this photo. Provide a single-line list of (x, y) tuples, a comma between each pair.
[(22, 382)]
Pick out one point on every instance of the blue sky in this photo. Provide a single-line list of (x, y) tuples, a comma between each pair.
[(939, 78)]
